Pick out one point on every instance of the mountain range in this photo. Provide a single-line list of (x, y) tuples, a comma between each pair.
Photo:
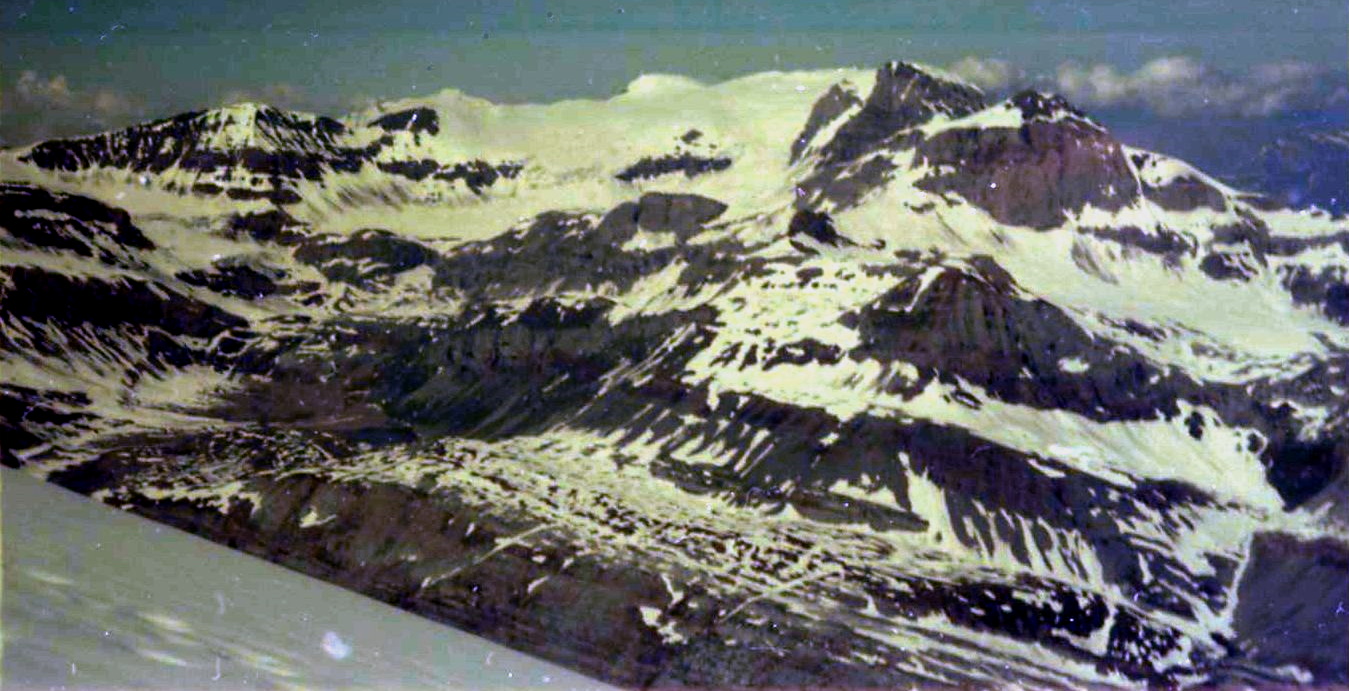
[(835, 378)]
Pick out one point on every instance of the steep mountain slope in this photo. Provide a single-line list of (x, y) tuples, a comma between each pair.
[(801, 379)]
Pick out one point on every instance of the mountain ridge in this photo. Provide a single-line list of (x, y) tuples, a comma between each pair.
[(961, 362)]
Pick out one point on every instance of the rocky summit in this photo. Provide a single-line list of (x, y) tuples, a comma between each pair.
[(839, 378)]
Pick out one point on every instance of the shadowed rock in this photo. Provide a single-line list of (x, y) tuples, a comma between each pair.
[(833, 104), (682, 214), (1186, 193), (1033, 175), (1292, 606), (410, 120), (365, 259), (66, 222), (904, 96), (972, 323), (234, 280), (691, 165), (816, 226)]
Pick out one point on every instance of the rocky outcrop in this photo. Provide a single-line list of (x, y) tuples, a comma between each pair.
[(815, 226), (904, 96), (831, 106), (567, 252), (690, 164), (972, 323), (234, 280), (477, 175), (31, 217), (1327, 289), (410, 120), (681, 214), (1186, 193), (30, 417), (366, 259), (1292, 606), (255, 152), (272, 225), (1033, 175)]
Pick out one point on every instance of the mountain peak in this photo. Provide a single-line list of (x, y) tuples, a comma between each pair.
[(1046, 107), (908, 70), (243, 109), (265, 126), (904, 96), (914, 91)]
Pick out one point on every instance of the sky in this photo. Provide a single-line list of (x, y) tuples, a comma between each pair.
[(78, 66)]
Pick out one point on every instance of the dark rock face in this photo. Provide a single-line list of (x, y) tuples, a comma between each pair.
[(264, 226), (67, 223), (682, 214), (476, 175), (690, 164), (410, 120), (30, 416), (366, 259), (1226, 266), (904, 96), (1299, 469), (832, 105), (235, 280), (493, 378), (39, 295), (1031, 176), (159, 145), (561, 251), (1168, 244), (816, 226), (846, 187), (1327, 288), (970, 323), (1291, 608), (127, 327), (1186, 193), (555, 247), (413, 170), (1035, 105), (289, 149)]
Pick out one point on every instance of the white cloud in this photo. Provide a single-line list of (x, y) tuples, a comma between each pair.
[(38, 106), (107, 103), (34, 89), (986, 73), (280, 95), (1177, 86)]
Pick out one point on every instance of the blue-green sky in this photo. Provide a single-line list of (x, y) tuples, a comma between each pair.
[(80, 65)]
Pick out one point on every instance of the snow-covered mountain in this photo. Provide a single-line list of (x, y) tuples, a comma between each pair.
[(828, 378)]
